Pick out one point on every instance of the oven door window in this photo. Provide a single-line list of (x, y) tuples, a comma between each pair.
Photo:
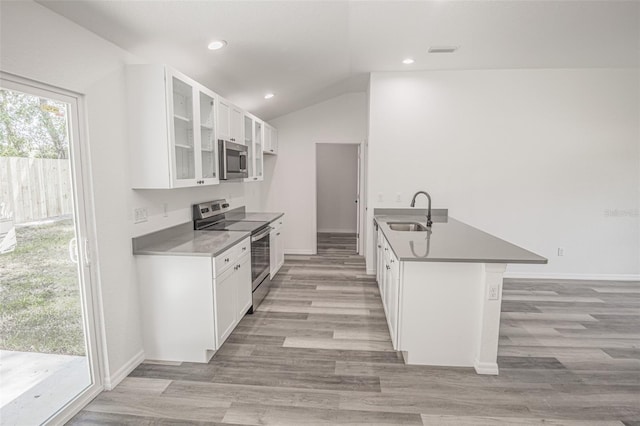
[(259, 257)]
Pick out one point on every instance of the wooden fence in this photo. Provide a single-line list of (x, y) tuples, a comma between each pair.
[(35, 188)]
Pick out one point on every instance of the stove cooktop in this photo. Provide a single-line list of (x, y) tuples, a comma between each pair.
[(234, 225)]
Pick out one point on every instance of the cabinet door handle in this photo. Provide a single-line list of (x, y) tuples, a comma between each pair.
[(391, 260), (379, 246), (244, 249), (387, 266), (278, 233), (386, 249), (226, 260)]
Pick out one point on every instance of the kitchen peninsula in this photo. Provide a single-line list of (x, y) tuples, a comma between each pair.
[(441, 287)]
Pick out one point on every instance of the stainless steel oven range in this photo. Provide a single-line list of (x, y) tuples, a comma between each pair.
[(210, 216)]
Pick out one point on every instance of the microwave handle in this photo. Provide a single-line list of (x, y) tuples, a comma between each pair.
[(223, 157), (243, 154)]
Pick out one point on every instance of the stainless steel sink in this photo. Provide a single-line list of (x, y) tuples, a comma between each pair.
[(407, 226)]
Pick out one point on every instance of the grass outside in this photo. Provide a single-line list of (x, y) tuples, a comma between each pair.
[(39, 293)]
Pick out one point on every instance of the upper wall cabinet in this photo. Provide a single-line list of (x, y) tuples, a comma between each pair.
[(270, 139), (230, 121), (253, 138), (172, 129)]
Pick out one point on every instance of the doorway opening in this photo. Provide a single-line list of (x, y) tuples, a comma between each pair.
[(48, 347), (338, 198)]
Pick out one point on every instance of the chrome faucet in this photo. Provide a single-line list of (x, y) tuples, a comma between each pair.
[(413, 204)]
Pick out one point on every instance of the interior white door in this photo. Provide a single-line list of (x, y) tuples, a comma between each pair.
[(358, 203)]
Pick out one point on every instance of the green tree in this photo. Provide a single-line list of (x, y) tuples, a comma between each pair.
[(31, 126)]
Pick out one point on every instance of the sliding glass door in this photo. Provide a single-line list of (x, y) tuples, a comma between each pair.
[(48, 351)]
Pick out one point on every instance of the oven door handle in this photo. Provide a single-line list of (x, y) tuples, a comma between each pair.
[(261, 235)]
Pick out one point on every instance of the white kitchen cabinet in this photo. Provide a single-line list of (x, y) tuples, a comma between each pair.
[(243, 292), (270, 139), (171, 129), (190, 304), (253, 140), (225, 306), (276, 246), (230, 121), (388, 276), (232, 296)]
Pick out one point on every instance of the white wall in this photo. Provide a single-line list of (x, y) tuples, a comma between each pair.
[(540, 158), (289, 184), (39, 44), (337, 183)]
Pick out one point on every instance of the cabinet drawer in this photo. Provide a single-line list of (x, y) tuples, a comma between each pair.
[(277, 224), (229, 257)]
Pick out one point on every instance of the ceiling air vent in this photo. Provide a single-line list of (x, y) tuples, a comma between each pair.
[(443, 49)]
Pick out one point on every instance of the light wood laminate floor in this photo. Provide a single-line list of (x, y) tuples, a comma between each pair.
[(318, 352)]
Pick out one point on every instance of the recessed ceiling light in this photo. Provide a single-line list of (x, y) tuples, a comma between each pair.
[(408, 61), (443, 49), (217, 44), (269, 96)]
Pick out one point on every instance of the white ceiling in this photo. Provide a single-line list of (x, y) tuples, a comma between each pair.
[(309, 51)]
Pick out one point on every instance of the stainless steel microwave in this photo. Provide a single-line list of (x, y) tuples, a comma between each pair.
[(233, 160)]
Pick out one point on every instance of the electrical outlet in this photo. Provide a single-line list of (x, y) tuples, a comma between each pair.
[(399, 197), (493, 292), (140, 215), (560, 251)]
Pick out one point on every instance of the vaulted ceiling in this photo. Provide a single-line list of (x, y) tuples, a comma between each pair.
[(309, 51)]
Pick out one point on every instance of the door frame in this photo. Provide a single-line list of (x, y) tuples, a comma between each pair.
[(80, 166), (361, 196)]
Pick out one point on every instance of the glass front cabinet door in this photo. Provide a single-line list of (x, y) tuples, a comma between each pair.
[(208, 145), (193, 132), (172, 129), (259, 144), (184, 154)]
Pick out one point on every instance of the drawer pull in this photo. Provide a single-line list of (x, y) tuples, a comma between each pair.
[(226, 260)]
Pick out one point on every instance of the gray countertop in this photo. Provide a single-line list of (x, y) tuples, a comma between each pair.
[(449, 241), (182, 240)]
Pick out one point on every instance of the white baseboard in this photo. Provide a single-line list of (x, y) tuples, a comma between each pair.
[(559, 276), (338, 231), (486, 368), (113, 380), (299, 251)]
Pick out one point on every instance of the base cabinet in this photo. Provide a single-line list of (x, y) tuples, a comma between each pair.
[(224, 300), (232, 297), (191, 304), (441, 313), (276, 246), (388, 274)]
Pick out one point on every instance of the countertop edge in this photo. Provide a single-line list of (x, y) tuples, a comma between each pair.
[(240, 236)]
